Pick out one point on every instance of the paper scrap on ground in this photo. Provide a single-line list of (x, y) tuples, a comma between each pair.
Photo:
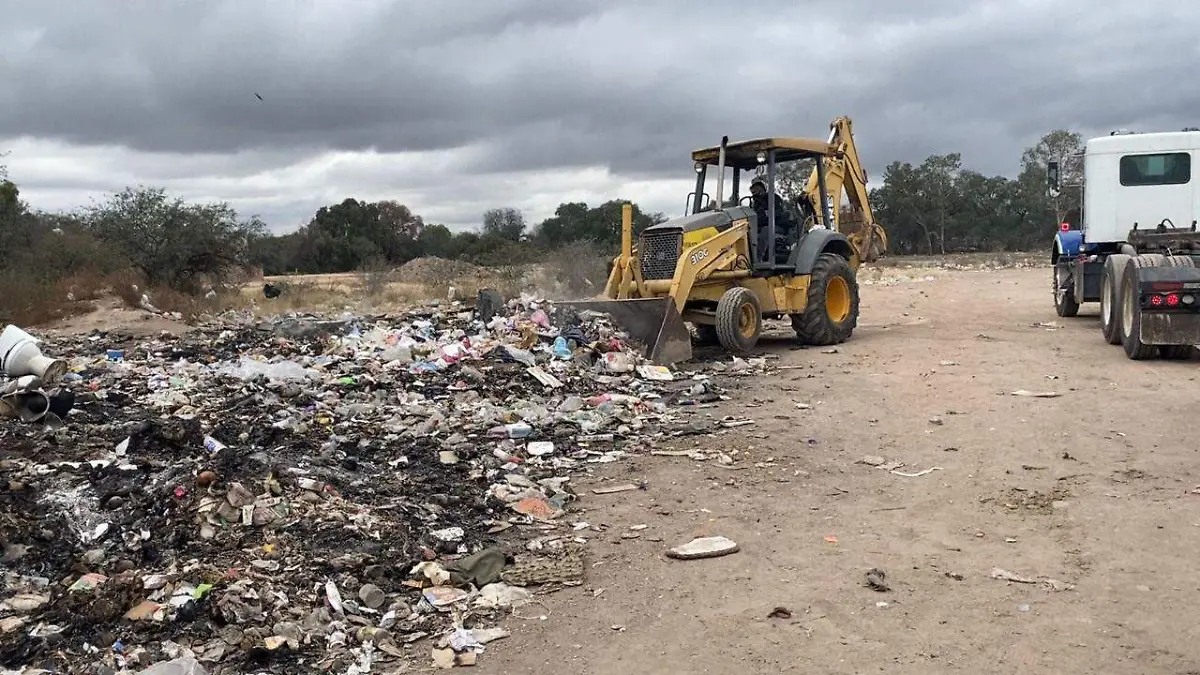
[(704, 547)]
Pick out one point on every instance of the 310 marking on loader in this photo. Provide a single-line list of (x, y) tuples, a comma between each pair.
[(698, 256)]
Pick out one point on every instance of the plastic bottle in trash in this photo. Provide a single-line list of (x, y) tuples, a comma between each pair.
[(514, 430), (560, 348), (506, 456), (213, 445)]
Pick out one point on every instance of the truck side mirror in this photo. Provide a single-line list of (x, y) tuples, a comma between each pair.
[(1052, 175)]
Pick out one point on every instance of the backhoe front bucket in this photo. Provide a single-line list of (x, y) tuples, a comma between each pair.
[(652, 321)]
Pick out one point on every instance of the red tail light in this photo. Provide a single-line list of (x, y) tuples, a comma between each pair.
[(1065, 227), (1173, 300), (1156, 300)]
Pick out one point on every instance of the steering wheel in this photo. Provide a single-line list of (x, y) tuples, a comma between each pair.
[(745, 201)]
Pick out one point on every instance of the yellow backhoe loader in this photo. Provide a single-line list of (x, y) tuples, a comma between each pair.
[(725, 265)]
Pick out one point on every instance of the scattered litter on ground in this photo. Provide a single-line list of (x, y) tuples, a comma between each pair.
[(877, 580), (1036, 394), (613, 489), (893, 466), (703, 547), (302, 493), (1052, 584), (916, 474)]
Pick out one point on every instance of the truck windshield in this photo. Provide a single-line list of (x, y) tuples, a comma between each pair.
[(1168, 168)]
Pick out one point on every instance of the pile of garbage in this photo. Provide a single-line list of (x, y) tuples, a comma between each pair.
[(303, 494)]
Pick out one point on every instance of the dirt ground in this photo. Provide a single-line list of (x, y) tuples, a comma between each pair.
[(1093, 489)]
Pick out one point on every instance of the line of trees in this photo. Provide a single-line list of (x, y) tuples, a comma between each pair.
[(345, 236), (937, 206)]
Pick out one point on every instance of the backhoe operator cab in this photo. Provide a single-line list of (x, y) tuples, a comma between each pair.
[(775, 225)]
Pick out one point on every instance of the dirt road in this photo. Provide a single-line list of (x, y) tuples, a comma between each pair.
[(1090, 489)]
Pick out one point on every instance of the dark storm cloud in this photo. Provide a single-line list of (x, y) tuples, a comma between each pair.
[(632, 85)]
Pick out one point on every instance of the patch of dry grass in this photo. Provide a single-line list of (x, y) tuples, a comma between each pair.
[(28, 302), (1000, 260)]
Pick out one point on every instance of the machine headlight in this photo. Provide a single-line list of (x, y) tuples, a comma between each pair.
[(761, 157), (699, 167)]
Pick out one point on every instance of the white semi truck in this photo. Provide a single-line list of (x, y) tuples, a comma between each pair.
[(1132, 244)]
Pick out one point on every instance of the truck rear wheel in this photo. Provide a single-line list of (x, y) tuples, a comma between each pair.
[(831, 306), (739, 320), (1110, 285), (1131, 310)]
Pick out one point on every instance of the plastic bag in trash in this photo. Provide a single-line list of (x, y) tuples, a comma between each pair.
[(279, 371), (184, 665)]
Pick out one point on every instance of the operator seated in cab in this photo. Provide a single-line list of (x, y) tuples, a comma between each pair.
[(783, 221)]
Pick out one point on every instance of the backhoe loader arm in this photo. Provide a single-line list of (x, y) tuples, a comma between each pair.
[(845, 173), (698, 262)]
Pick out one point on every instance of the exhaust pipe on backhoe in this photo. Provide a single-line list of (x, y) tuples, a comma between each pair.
[(654, 322), (721, 173)]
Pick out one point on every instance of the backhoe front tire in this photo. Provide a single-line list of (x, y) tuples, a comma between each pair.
[(831, 308), (738, 320)]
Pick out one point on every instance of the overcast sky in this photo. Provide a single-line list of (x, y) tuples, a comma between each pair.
[(456, 106)]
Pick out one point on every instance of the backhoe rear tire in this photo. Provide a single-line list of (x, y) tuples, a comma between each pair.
[(831, 308), (739, 320)]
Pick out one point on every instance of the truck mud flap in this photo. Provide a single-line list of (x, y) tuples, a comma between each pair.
[(653, 322), (1162, 328), (1171, 327)]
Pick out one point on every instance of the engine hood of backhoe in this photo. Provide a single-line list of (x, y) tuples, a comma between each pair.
[(705, 219)]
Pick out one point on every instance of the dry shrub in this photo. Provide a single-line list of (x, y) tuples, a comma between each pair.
[(509, 280), (581, 268), (128, 286), (30, 301), (374, 277), (301, 294), (83, 287)]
